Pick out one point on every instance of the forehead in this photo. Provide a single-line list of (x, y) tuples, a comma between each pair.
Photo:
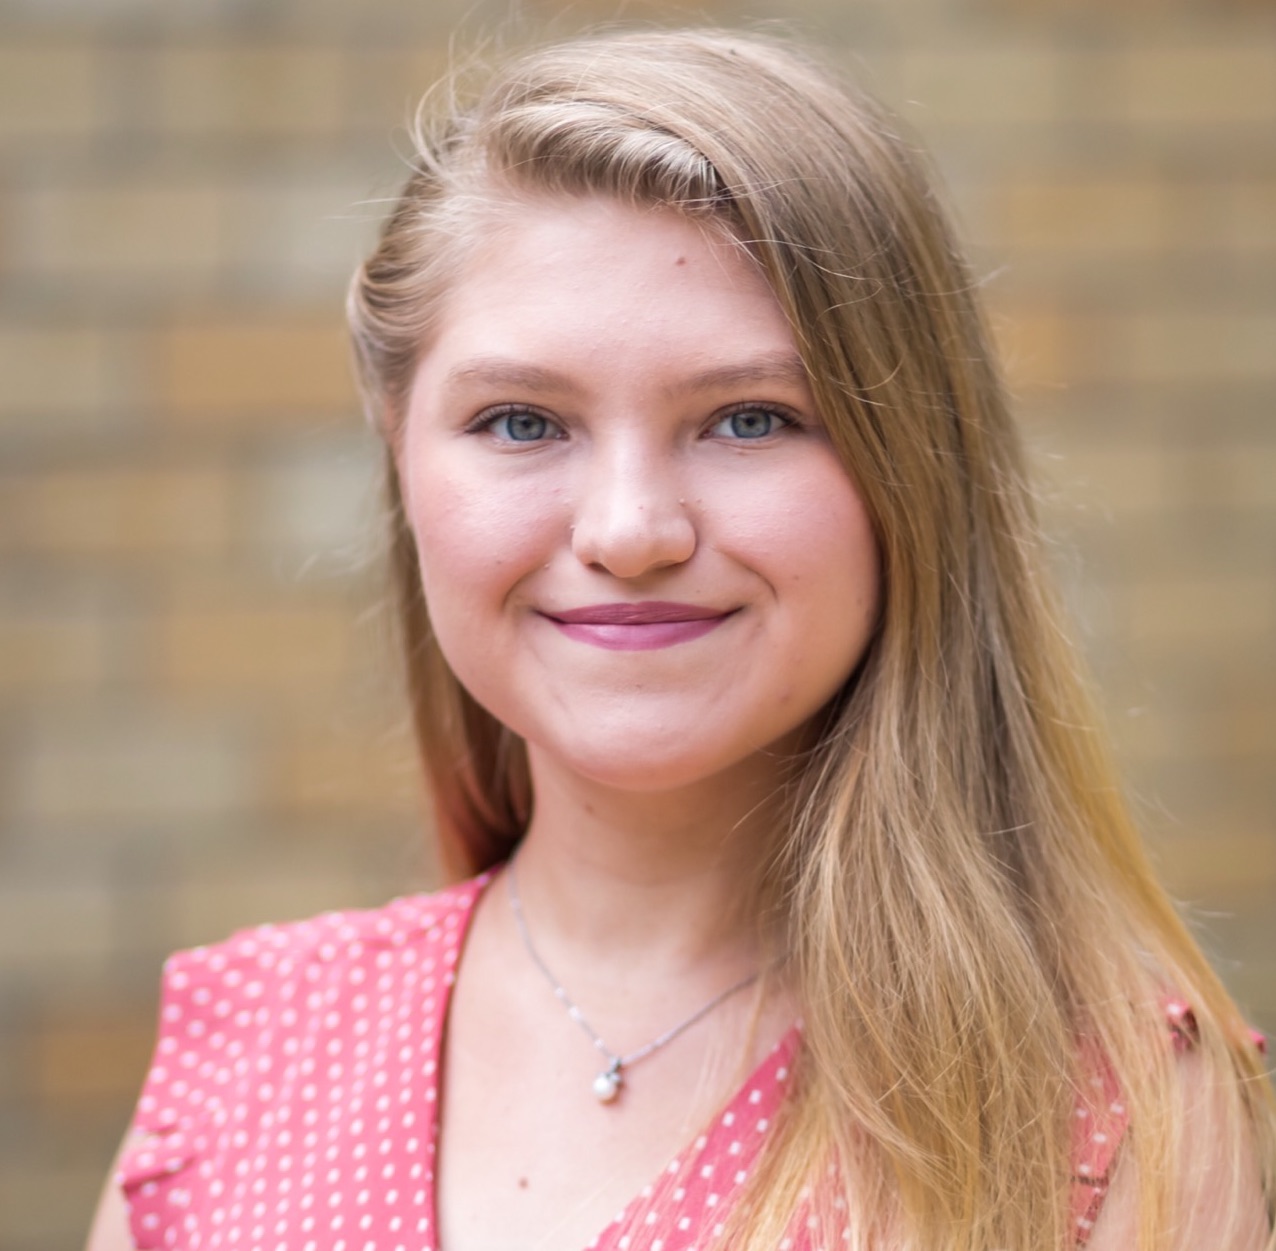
[(549, 222), (593, 272)]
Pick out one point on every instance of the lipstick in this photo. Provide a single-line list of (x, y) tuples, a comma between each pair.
[(643, 626)]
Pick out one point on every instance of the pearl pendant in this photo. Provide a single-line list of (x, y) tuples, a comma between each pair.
[(607, 1084)]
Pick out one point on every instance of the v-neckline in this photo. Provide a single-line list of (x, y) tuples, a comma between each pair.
[(754, 1101)]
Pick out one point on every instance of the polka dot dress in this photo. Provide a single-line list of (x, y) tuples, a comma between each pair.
[(291, 1105), (292, 1101)]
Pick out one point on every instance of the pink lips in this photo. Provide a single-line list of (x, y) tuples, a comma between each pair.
[(642, 626)]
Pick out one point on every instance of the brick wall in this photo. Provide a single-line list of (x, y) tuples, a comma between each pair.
[(197, 725)]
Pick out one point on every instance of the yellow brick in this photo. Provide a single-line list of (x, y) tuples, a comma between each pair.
[(46, 1201), (308, 238), (53, 372), (115, 765), (44, 925), (214, 649), (250, 90), (588, 13), (1237, 731), (271, 369), (120, 512), (1096, 347), (1031, 345), (1148, 737), (322, 503), (48, 89), (1218, 865), (1251, 216), (1115, 480), (1212, 84), (369, 773), (1011, 82), (1251, 474), (49, 653), (208, 908), (88, 1059), (1189, 612), (1171, 346), (1251, 976), (1244, 729), (1085, 216), (386, 84), (129, 231), (1227, 479)]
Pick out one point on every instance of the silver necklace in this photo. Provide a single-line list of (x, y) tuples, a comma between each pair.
[(607, 1084)]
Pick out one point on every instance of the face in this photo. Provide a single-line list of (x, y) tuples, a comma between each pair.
[(638, 547)]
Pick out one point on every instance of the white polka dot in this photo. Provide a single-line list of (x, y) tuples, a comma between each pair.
[(376, 1075)]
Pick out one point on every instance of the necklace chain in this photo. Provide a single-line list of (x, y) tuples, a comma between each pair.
[(608, 1083)]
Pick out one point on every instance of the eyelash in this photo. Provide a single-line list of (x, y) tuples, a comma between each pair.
[(487, 420), (785, 419)]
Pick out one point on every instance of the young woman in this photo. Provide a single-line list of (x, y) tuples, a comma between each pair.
[(806, 911)]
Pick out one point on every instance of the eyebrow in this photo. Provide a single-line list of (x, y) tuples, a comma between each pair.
[(769, 367), (501, 371)]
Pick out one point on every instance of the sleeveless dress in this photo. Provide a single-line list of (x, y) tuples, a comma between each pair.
[(292, 1104)]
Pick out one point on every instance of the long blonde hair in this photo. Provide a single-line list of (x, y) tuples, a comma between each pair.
[(966, 898)]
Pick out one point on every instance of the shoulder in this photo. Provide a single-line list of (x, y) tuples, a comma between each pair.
[(398, 921), (1216, 1184), (272, 1024), (228, 1006), (254, 961)]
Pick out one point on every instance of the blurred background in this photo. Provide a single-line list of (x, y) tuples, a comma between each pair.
[(198, 721)]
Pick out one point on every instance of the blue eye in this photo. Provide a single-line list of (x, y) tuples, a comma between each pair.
[(517, 425), (750, 423), (523, 427)]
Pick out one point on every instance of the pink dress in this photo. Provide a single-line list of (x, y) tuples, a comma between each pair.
[(292, 1101)]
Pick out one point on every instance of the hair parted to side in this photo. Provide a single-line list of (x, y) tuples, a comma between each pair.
[(968, 903)]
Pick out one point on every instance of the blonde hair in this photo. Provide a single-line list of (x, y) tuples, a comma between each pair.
[(969, 908)]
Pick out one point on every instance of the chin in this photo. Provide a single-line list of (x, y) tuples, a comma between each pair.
[(651, 765)]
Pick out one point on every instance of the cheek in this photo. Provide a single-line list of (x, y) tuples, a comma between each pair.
[(821, 558), (811, 532), (851, 546), (475, 540)]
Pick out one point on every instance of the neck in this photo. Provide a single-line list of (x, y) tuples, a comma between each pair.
[(666, 880)]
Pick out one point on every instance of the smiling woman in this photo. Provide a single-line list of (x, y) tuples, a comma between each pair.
[(795, 903), (608, 449)]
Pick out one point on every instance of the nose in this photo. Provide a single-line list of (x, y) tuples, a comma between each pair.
[(631, 517)]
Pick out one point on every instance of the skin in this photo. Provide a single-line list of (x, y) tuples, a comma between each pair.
[(671, 453), (611, 412), (622, 336)]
